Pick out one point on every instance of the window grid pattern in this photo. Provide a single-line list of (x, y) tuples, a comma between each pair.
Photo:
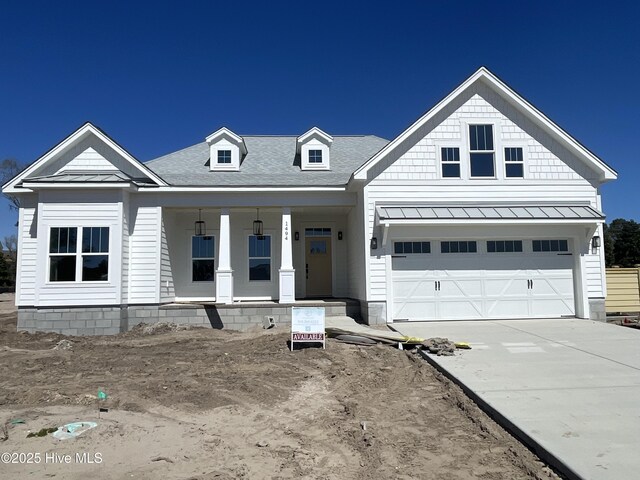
[(95, 254), (411, 247), (504, 246), (260, 258), (481, 151), (317, 232), (464, 246), (224, 156), (68, 263), (514, 162), (203, 267), (550, 245), (450, 162), (315, 156)]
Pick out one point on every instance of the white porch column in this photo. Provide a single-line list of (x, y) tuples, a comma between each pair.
[(287, 273), (224, 274)]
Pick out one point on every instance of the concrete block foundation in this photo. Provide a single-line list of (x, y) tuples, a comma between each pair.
[(111, 320)]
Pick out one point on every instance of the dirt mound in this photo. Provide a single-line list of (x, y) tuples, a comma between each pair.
[(219, 404), (160, 327)]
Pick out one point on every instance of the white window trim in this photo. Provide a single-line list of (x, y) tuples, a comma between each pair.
[(78, 254), (465, 150), (270, 257), (525, 159), (198, 282), (439, 148)]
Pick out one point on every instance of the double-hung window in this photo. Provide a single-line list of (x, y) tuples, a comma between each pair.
[(513, 162), (68, 263), (203, 268), (450, 159), (481, 151), (260, 257)]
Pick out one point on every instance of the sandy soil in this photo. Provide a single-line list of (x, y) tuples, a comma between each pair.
[(207, 404)]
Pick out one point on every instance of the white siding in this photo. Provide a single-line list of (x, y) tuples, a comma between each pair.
[(552, 174), (59, 209), (125, 248), (144, 256), (167, 291), (27, 252), (89, 160)]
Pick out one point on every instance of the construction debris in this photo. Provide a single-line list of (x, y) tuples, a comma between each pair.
[(63, 345), (439, 346)]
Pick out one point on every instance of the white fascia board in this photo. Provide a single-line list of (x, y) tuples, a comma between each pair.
[(87, 128), (607, 173), (315, 131), (225, 132), (471, 221), (244, 189)]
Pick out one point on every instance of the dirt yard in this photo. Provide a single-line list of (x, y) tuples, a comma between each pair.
[(207, 404)]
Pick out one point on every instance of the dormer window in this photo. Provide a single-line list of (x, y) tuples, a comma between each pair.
[(314, 149), (224, 156), (226, 150), (315, 156)]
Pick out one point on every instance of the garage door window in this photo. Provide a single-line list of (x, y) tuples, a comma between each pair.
[(504, 246), (459, 247), (550, 246), (411, 247)]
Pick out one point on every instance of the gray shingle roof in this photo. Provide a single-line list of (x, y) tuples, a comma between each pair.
[(270, 161), (488, 212)]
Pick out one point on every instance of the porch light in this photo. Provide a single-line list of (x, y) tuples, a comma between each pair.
[(296, 236), (595, 242), (339, 235), (257, 224), (374, 243), (200, 227)]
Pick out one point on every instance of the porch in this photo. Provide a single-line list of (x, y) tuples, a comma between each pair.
[(301, 253), (236, 316)]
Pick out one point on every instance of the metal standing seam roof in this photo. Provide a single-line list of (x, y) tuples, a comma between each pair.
[(270, 161), (498, 212), (87, 177)]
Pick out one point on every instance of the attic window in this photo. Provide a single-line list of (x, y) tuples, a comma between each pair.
[(315, 156), (224, 156)]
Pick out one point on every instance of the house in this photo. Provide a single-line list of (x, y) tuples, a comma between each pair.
[(483, 208)]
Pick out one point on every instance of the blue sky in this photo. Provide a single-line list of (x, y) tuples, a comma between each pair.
[(158, 76)]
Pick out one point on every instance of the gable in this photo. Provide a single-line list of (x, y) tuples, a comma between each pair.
[(88, 149), (545, 159), (508, 103)]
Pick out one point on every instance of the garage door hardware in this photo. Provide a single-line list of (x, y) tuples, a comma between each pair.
[(530, 284), (437, 285)]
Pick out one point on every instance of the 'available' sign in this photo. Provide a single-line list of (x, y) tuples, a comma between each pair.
[(307, 325)]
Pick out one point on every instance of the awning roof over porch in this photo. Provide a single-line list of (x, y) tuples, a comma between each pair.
[(423, 214)]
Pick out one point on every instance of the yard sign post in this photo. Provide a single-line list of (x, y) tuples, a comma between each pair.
[(307, 325)]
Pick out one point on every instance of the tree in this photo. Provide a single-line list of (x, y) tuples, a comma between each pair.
[(7, 277), (9, 168), (622, 243), (10, 246)]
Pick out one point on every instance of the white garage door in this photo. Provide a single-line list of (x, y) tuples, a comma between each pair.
[(454, 286)]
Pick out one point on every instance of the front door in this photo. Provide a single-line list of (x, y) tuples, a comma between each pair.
[(318, 265)]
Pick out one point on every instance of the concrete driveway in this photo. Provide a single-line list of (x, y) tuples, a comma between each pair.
[(569, 388)]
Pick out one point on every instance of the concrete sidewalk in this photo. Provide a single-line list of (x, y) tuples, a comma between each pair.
[(570, 388)]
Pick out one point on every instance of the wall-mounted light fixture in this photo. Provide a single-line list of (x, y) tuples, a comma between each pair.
[(339, 235), (595, 242), (200, 226), (257, 224), (296, 236), (374, 243)]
